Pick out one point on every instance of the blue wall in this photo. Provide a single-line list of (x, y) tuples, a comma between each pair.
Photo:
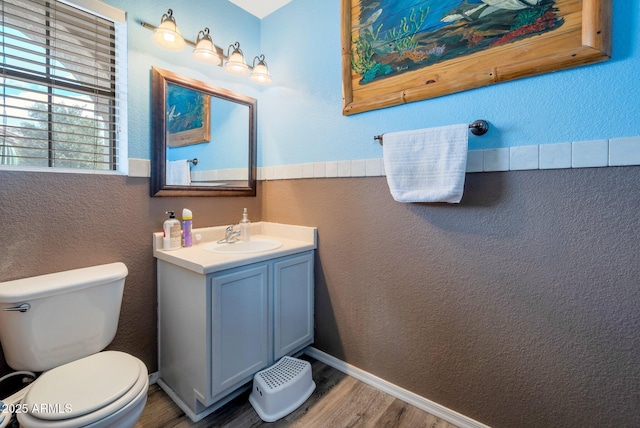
[(299, 115), (227, 22), (303, 106), (229, 139)]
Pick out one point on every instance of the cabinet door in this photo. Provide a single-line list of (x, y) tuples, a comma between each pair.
[(240, 326), (293, 304)]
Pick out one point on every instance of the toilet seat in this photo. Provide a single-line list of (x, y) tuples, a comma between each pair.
[(87, 392)]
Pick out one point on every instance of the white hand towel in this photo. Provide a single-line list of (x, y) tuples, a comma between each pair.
[(178, 173), (427, 165)]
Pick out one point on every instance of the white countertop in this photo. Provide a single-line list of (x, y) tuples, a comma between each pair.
[(295, 239)]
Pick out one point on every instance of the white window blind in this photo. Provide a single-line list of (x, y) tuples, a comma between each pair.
[(62, 89)]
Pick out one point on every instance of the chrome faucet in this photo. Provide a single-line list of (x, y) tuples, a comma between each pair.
[(231, 235)]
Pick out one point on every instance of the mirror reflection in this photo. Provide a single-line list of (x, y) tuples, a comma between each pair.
[(204, 138)]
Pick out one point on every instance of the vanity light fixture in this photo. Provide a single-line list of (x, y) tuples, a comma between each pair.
[(260, 73), (235, 61), (205, 50), (167, 36)]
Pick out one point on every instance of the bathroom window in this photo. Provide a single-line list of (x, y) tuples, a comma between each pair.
[(63, 86)]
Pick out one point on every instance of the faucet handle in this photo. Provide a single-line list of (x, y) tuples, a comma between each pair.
[(230, 230)]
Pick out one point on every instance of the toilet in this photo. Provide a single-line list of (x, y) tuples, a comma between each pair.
[(59, 324)]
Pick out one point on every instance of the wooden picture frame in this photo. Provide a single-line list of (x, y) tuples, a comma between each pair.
[(378, 73), (188, 116), (246, 186)]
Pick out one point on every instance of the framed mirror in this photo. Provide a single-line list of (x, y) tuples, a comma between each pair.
[(204, 138)]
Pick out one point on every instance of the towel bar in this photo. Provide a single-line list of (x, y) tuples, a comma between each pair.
[(194, 161), (478, 127)]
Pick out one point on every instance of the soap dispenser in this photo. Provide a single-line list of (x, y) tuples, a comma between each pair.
[(245, 227), (172, 234)]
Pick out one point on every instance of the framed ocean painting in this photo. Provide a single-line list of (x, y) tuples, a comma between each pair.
[(188, 116), (399, 51)]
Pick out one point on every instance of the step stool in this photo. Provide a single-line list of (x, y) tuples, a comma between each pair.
[(281, 388)]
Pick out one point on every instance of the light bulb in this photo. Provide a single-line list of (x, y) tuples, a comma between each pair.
[(167, 35)]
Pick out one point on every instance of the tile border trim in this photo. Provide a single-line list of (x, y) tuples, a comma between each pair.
[(580, 154)]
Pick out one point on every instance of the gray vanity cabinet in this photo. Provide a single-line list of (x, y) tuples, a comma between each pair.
[(293, 304), (239, 326), (217, 330)]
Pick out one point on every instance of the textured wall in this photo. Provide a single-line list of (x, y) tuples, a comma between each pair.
[(303, 106), (54, 222), (519, 308)]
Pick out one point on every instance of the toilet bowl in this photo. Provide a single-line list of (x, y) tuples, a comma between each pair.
[(59, 324), (103, 390)]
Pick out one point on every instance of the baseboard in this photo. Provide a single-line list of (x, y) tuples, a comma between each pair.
[(153, 378), (409, 397), (196, 417)]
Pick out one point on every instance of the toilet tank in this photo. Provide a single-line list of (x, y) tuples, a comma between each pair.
[(71, 315)]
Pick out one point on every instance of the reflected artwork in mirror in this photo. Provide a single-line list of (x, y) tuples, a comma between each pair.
[(204, 138)]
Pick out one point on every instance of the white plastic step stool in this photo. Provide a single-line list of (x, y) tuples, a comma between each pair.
[(281, 388)]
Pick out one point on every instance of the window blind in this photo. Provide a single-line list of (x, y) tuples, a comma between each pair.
[(61, 86)]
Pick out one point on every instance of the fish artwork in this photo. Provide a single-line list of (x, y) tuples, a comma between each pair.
[(474, 11), (511, 4), (398, 36)]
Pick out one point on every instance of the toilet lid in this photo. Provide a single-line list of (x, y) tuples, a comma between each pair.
[(82, 386)]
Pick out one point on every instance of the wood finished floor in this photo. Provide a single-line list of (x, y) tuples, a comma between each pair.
[(338, 401)]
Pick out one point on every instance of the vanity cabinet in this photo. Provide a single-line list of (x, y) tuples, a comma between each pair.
[(240, 332), (217, 330), (292, 304)]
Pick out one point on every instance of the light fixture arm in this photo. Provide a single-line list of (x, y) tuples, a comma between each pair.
[(203, 35), (236, 48), (261, 61), (168, 17)]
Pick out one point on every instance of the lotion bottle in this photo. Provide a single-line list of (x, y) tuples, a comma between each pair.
[(245, 227), (187, 234), (171, 233)]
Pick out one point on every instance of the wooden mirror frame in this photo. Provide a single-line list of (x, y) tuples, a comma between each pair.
[(585, 38), (159, 80)]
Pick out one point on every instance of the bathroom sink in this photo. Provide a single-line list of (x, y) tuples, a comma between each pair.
[(255, 245)]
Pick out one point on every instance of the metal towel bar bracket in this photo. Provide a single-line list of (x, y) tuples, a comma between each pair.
[(478, 127)]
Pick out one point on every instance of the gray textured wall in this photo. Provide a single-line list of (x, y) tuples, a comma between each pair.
[(54, 222), (519, 308)]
